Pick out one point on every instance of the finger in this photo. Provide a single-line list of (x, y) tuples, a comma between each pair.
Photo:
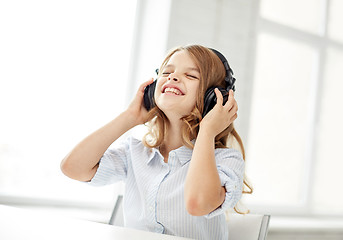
[(143, 85), (234, 108), (233, 118), (219, 96), (231, 114), (231, 100)]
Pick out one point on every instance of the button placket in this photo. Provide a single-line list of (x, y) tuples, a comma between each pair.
[(152, 205), (173, 161)]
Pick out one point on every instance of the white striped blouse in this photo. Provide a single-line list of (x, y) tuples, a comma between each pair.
[(154, 190)]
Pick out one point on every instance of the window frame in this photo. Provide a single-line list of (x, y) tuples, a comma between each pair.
[(321, 43)]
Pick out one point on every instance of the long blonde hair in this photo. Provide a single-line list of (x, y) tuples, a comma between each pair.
[(212, 73)]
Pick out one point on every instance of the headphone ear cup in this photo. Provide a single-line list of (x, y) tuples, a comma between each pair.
[(210, 99), (148, 98)]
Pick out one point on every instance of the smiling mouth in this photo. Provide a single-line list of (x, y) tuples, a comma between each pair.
[(173, 91)]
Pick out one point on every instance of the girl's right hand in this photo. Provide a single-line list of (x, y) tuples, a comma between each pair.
[(136, 108)]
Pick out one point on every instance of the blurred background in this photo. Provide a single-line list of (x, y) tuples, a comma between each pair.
[(69, 67)]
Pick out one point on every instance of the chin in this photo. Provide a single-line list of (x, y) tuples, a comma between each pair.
[(174, 108)]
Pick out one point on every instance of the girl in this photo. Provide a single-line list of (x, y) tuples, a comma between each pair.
[(181, 177)]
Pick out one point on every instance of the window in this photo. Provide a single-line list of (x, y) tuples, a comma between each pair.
[(64, 69), (329, 132), (293, 151), (281, 92)]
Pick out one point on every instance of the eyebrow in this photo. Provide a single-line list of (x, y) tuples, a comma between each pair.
[(194, 69), (189, 68)]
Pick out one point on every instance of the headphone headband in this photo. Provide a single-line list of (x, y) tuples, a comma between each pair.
[(229, 79)]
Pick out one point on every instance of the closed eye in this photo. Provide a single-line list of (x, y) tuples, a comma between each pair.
[(192, 76)]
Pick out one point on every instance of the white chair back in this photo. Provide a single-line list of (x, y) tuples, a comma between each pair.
[(248, 226), (117, 218)]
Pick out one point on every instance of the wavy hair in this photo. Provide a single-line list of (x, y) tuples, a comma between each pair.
[(212, 73)]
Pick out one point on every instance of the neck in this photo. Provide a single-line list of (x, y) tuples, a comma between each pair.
[(173, 139)]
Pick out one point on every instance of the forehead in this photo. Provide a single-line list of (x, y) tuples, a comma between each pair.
[(181, 58)]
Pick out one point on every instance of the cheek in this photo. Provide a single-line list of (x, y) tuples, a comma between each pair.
[(158, 88), (194, 95), (195, 90)]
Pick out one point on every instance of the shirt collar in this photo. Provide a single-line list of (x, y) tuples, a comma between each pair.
[(152, 153), (183, 153)]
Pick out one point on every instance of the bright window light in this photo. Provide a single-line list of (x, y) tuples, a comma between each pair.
[(305, 15), (280, 103), (63, 71)]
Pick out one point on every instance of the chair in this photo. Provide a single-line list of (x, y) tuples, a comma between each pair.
[(117, 217), (248, 226), (241, 227)]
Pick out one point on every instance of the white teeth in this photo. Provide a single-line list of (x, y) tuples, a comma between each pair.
[(173, 90)]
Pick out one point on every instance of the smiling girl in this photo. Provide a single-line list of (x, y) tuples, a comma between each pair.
[(180, 178)]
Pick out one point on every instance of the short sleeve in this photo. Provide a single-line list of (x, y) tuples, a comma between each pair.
[(230, 165), (112, 165)]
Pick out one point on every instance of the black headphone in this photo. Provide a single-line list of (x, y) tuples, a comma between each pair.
[(210, 99)]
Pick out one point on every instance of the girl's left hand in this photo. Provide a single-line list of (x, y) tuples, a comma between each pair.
[(220, 117)]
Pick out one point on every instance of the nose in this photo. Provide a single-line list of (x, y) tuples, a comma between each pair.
[(173, 77)]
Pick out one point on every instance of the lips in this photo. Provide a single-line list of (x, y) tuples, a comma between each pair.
[(172, 89)]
